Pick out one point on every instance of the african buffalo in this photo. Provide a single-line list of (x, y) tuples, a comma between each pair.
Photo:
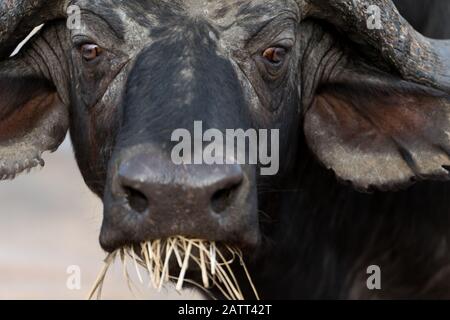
[(363, 116)]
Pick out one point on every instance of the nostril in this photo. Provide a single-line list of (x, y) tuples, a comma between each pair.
[(136, 200), (223, 198)]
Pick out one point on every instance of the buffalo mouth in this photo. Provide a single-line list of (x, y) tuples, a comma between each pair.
[(206, 265)]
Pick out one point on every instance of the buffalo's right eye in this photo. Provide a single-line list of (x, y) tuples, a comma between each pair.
[(272, 62), (90, 51)]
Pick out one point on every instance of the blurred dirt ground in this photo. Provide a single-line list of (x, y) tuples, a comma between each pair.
[(49, 220)]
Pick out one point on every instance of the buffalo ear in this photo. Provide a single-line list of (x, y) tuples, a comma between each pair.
[(32, 120), (380, 132)]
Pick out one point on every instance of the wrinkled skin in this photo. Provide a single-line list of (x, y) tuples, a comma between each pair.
[(305, 233)]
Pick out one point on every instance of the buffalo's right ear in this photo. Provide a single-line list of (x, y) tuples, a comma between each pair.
[(379, 131), (33, 119)]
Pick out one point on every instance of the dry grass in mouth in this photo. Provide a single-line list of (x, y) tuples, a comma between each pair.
[(155, 257)]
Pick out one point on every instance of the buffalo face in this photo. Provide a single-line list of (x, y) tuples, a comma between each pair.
[(227, 67)]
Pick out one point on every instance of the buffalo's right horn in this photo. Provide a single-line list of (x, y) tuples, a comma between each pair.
[(19, 17)]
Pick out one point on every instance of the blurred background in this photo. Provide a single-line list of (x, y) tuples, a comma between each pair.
[(49, 221)]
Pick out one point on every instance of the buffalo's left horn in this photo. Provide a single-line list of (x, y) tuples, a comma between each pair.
[(416, 57)]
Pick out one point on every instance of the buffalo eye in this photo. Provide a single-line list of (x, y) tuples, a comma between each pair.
[(90, 51), (275, 55)]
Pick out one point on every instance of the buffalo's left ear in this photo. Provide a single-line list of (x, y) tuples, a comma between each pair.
[(378, 131), (32, 120)]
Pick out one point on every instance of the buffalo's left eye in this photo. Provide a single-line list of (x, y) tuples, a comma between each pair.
[(275, 55), (90, 52)]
